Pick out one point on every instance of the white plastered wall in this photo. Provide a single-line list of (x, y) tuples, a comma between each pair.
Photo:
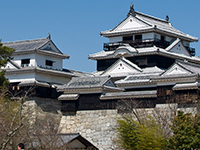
[(18, 59), (20, 77), (115, 39), (51, 78), (40, 60)]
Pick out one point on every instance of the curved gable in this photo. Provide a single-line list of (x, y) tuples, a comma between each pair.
[(177, 47), (122, 66)]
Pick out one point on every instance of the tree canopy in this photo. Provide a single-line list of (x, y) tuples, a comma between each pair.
[(186, 132), (5, 53), (146, 135)]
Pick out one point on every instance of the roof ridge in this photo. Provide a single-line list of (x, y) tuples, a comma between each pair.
[(31, 40), (14, 64), (152, 17), (187, 63), (131, 63)]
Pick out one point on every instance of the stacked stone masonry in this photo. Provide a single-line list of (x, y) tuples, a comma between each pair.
[(99, 126)]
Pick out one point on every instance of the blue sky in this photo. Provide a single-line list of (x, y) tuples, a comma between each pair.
[(75, 25)]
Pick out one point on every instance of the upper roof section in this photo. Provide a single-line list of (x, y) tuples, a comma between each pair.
[(43, 45), (137, 22)]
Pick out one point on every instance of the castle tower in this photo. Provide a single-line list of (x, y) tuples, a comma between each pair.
[(146, 60)]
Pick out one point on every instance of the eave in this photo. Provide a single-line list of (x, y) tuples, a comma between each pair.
[(39, 70), (159, 51), (38, 51), (90, 89), (68, 97), (34, 82), (175, 78), (185, 86), (134, 94), (156, 27), (128, 84)]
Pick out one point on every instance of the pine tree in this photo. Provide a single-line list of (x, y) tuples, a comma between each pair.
[(5, 53)]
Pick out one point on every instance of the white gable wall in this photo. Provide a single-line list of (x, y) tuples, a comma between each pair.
[(130, 23), (9, 66), (41, 60), (119, 68), (176, 70), (179, 49), (49, 47)]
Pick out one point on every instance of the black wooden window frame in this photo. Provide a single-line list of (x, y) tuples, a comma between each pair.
[(138, 37), (49, 63), (127, 38), (25, 61)]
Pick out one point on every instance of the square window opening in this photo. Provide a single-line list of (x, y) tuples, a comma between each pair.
[(49, 63)]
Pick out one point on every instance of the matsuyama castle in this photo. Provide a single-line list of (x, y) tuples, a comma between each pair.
[(146, 60)]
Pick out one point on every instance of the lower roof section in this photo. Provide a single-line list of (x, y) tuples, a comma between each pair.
[(68, 97), (134, 94), (185, 86), (32, 82)]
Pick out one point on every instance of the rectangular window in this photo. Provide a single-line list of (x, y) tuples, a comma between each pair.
[(25, 62), (128, 38), (162, 38), (49, 63), (138, 37)]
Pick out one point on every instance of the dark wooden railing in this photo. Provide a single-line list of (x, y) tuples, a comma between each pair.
[(137, 44)]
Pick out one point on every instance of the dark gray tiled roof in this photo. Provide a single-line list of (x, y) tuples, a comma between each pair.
[(26, 44), (153, 24), (87, 82), (83, 83), (63, 138), (195, 68), (69, 137), (36, 46)]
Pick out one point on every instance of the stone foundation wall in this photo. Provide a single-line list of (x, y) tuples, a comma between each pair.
[(98, 126)]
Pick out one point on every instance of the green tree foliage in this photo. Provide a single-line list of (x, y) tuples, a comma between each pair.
[(186, 129), (5, 53), (146, 135)]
